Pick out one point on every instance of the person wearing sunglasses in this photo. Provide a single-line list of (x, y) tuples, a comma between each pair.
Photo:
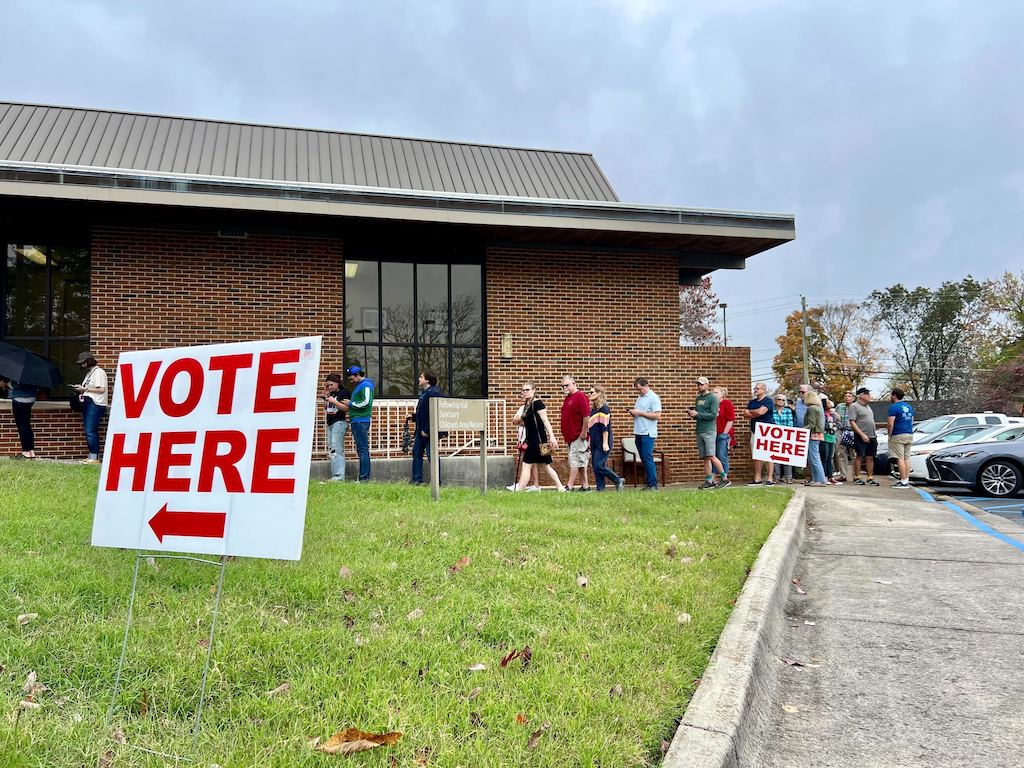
[(541, 441)]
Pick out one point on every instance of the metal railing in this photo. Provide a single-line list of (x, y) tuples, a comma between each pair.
[(388, 422)]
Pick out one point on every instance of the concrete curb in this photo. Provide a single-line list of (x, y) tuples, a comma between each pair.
[(737, 683)]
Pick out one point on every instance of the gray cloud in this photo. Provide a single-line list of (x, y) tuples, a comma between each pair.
[(891, 130)]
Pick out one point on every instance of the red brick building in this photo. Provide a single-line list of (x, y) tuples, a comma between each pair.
[(491, 265)]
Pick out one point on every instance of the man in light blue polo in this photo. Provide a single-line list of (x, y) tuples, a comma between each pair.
[(646, 413)]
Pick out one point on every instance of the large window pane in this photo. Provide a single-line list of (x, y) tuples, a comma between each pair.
[(467, 373), (362, 313), (432, 303), (396, 322), (69, 288), (367, 357), (467, 304), (63, 354), (398, 377), (25, 312), (435, 359)]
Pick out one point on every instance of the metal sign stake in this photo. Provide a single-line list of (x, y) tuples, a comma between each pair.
[(209, 644)]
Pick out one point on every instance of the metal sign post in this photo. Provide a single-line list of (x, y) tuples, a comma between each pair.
[(451, 414)]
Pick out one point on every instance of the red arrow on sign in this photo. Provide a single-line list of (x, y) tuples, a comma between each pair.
[(208, 525), (780, 458)]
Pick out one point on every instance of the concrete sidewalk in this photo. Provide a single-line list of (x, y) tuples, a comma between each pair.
[(911, 636)]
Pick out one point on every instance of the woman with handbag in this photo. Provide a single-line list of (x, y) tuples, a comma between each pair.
[(93, 391), (540, 439)]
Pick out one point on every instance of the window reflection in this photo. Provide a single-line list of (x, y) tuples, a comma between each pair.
[(362, 301), (432, 303), (467, 314)]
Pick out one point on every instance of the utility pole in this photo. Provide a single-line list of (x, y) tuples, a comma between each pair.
[(803, 323), (725, 334)]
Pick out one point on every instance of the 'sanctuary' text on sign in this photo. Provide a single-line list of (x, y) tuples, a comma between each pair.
[(454, 414), (208, 449), (778, 444)]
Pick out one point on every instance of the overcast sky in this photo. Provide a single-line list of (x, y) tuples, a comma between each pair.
[(894, 131)]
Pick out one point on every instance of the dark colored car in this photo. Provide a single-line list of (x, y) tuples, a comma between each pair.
[(995, 469)]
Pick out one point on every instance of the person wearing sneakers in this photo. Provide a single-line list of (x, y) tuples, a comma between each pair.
[(705, 412), (726, 419), (760, 409), (93, 390), (865, 443), (360, 412), (574, 417), (784, 416), (601, 438), (541, 441), (901, 430)]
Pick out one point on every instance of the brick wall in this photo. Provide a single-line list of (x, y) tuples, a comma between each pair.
[(605, 319), (58, 432)]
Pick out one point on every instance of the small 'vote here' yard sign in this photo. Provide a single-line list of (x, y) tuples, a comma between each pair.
[(208, 449), (778, 444)]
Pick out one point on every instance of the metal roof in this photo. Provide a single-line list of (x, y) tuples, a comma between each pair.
[(126, 141)]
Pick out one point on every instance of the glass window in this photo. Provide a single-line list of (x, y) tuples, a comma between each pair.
[(44, 303), (403, 318), (362, 301), (993, 420), (964, 421)]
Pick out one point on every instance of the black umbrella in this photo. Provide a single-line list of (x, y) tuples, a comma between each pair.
[(20, 365)]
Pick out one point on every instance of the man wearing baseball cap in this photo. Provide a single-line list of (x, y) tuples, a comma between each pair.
[(705, 411), (359, 412)]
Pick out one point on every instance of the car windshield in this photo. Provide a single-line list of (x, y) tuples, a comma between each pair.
[(931, 426), (985, 434)]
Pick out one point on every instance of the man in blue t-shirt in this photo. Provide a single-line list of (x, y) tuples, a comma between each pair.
[(901, 434), (760, 409)]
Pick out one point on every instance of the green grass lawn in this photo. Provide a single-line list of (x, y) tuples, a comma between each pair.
[(372, 629)]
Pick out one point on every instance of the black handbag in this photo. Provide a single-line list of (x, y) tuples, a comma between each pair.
[(77, 402)]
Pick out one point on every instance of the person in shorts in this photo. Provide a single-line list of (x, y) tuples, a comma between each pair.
[(901, 434), (865, 442), (705, 412), (575, 419)]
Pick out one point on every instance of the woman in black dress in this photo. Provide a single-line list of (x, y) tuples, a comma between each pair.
[(534, 417)]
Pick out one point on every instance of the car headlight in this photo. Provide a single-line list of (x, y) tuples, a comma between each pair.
[(958, 455)]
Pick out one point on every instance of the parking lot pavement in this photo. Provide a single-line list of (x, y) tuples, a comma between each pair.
[(1010, 509), (900, 643)]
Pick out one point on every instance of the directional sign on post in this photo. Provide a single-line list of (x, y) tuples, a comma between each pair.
[(778, 444), (451, 414), (208, 449)]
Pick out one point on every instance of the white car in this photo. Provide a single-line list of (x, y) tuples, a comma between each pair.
[(968, 434), (941, 423)]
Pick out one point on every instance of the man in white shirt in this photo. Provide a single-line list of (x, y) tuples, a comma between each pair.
[(645, 413)]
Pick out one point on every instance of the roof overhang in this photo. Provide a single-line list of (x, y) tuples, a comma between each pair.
[(704, 239)]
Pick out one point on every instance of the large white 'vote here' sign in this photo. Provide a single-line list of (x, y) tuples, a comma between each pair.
[(208, 449), (778, 444)]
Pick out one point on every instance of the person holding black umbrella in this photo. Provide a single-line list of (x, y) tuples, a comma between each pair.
[(23, 397), (94, 399)]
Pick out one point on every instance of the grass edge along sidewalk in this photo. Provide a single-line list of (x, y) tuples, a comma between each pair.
[(379, 626), (723, 710)]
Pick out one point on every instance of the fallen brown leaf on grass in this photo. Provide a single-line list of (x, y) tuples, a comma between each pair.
[(462, 563), (475, 720), (582, 580), (106, 760), (25, 618), (353, 740), (27, 703), (684, 618), (350, 597), (204, 643), (664, 746), (348, 621), (282, 688), (422, 755), (118, 736), (30, 682), (345, 572), (615, 692), (414, 614), (526, 656), (535, 736), (151, 562), (144, 703), (521, 719), (474, 693), (513, 654), (476, 667)]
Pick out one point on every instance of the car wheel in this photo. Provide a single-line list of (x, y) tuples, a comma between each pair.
[(999, 478)]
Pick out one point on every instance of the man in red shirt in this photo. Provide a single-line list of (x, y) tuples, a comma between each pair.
[(575, 418), (726, 434)]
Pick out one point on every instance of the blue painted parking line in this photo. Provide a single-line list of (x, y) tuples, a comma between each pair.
[(1002, 506), (924, 494), (984, 528)]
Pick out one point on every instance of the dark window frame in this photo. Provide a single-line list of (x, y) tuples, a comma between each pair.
[(49, 338), (379, 345)]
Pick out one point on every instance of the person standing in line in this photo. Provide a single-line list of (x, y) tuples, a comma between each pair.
[(759, 409), (901, 434), (23, 397), (421, 443), (705, 412), (726, 435), (646, 412), (828, 444), (540, 438), (601, 438), (783, 416), (865, 441), (801, 406), (360, 409), (574, 416), (93, 390), (336, 399), (814, 421), (845, 443)]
